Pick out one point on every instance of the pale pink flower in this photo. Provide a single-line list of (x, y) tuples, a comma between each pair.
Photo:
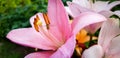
[(53, 32), (103, 7), (108, 42), (79, 6)]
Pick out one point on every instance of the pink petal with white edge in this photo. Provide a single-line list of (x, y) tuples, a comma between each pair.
[(113, 4), (83, 3), (107, 14), (117, 13), (114, 47), (66, 50), (109, 30), (76, 9), (93, 52), (29, 37), (33, 18), (45, 54), (68, 11), (41, 18), (58, 19), (100, 6), (92, 28), (113, 56), (85, 19)]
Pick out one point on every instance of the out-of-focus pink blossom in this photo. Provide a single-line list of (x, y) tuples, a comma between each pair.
[(108, 42), (79, 6)]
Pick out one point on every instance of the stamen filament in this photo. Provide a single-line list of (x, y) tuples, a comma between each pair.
[(36, 49), (44, 32), (51, 37)]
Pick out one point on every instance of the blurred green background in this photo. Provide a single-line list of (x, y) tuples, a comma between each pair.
[(15, 14)]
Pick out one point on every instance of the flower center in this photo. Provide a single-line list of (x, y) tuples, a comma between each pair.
[(42, 25), (38, 23)]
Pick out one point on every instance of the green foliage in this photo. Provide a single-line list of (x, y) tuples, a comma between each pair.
[(65, 3), (15, 14), (10, 50)]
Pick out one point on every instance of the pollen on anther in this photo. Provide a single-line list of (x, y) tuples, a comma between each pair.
[(46, 19), (37, 23)]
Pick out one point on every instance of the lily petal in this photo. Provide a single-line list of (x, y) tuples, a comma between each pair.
[(83, 3), (107, 14), (116, 56), (100, 5), (29, 37), (93, 52), (109, 30), (76, 9), (66, 50), (41, 19), (69, 11), (59, 19), (113, 4), (93, 27), (45, 54), (114, 47), (85, 19), (117, 13)]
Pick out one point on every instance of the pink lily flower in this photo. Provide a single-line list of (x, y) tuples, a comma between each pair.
[(108, 42), (79, 6), (53, 32), (103, 7)]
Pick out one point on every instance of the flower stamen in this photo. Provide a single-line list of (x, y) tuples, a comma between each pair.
[(46, 19), (37, 23)]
